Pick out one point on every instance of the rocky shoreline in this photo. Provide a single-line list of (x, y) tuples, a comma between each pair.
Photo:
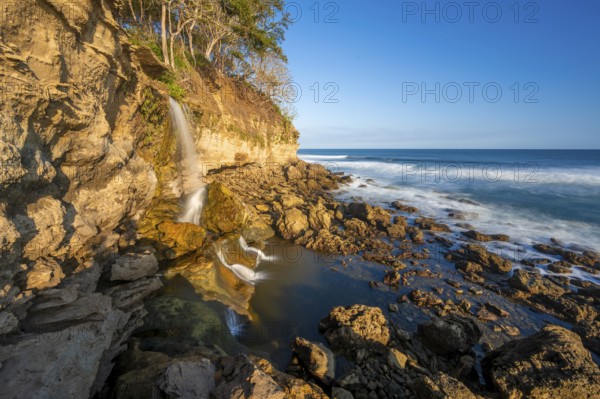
[(469, 345), (90, 248)]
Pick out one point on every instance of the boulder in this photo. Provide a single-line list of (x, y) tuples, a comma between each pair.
[(392, 277), (291, 201), (316, 359), (45, 273), (8, 323), (356, 227), (477, 236), (425, 299), (348, 329), (134, 266), (180, 238), (318, 217), (241, 378), (292, 386), (292, 223), (224, 212), (549, 364), (441, 386), (449, 336), (375, 216), (478, 254), (431, 225), (188, 379), (404, 208), (534, 283), (396, 359)]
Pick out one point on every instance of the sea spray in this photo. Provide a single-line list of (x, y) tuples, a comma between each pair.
[(191, 176)]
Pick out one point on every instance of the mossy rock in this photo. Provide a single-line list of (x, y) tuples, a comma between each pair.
[(224, 211)]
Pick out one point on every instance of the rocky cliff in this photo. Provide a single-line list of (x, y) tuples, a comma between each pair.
[(85, 146)]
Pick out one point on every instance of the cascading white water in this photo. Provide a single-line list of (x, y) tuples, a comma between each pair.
[(191, 176), (260, 255), (233, 321), (242, 272)]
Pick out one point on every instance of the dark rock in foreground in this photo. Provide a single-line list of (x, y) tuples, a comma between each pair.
[(550, 364)]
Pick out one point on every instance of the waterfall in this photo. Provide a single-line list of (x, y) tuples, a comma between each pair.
[(242, 272), (260, 255), (233, 321), (192, 175)]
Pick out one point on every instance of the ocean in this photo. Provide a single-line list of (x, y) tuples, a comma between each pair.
[(531, 195)]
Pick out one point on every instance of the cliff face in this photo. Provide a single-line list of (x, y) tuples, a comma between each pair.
[(234, 124), (70, 170), (85, 134), (85, 146)]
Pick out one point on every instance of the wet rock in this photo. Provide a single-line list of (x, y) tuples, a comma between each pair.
[(327, 242), (316, 359), (356, 227), (375, 216), (498, 311), (477, 236), (241, 378), (441, 386), (292, 386), (45, 273), (424, 299), (392, 277), (431, 225), (416, 235), (450, 335), (396, 359), (461, 215), (404, 208), (590, 335), (393, 308), (551, 364), (469, 267), (396, 231), (292, 223), (131, 267), (534, 283), (180, 238), (348, 329), (478, 254), (564, 308), (318, 217), (224, 212)]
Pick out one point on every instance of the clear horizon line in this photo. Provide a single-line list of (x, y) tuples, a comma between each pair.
[(447, 149)]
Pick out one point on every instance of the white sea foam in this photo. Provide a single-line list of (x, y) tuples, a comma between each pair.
[(453, 173), (311, 157), (524, 228)]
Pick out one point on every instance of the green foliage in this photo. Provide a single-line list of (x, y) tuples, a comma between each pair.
[(175, 90)]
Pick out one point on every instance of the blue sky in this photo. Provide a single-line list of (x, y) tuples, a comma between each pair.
[(371, 62)]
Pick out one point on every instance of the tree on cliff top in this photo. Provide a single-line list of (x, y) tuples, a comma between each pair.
[(239, 38)]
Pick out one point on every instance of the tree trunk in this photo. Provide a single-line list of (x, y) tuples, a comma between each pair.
[(190, 34), (163, 33), (132, 11), (172, 46), (141, 11)]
